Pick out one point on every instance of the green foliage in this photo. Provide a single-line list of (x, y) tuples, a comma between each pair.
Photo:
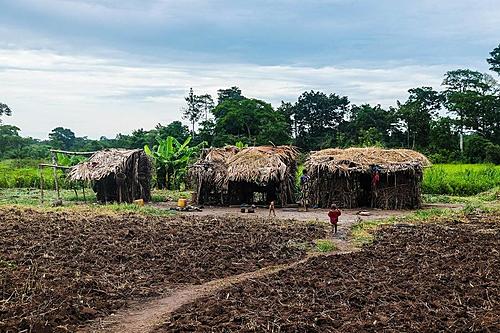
[(25, 173), (494, 61), (233, 93), (171, 159), (317, 118), (473, 97), (460, 179), (417, 114), (62, 138), (69, 160), (241, 145), (4, 110), (248, 120)]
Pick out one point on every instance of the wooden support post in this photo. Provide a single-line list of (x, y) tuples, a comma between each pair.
[(83, 190), (40, 169), (54, 162)]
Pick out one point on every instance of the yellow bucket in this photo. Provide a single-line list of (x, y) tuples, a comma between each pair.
[(139, 202), (182, 203)]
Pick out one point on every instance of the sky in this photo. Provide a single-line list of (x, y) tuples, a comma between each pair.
[(103, 67)]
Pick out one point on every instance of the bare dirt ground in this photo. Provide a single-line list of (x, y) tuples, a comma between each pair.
[(59, 270), (128, 273), (145, 317), (414, 278)]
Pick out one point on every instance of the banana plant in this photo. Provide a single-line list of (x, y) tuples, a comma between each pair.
[(171, 159)]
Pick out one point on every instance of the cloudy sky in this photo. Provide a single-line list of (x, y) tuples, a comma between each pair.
[(101, 67)]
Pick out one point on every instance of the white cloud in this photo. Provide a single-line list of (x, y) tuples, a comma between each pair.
[(103, 96)]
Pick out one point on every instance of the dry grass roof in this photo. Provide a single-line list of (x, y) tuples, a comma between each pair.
[(262, 164), (220, 154), (102, 164), (362, 159)]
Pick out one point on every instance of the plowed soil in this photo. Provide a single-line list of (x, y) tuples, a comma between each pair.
[(427, 278), (59, 270)]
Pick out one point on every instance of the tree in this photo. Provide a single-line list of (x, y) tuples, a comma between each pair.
[(4, 110), (494, 61), (288, 111), (233, 93), (193, 111), (10, 140), (206, 104), (175, 129), (249, 120), (317, 117), (62, 138), (417, 113), (371, 124), (473, 97)]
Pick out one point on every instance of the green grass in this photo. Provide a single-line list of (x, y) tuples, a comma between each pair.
[(31, 198), (325, 245), (25, 173), (460, 179)]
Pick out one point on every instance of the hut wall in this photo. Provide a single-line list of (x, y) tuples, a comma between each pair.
[(327, 189), (399, 190)]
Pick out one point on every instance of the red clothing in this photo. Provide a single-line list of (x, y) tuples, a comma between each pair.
[(334, 216), (375, 179)]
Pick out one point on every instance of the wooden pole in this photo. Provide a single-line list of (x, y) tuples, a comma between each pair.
[(54, 162), (83, 190), (40, 169), (72, 152)]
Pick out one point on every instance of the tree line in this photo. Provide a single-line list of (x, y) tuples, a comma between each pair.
[(458, 121)]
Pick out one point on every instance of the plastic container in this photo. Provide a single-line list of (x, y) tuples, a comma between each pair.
[(182, 202), (139, 202)]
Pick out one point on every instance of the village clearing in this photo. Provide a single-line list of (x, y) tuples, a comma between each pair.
[(220, 271)]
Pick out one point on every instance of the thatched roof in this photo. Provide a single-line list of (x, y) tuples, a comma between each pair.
[(261, 164), (102, 164), (212, 167), (362, 159), (216, 155)]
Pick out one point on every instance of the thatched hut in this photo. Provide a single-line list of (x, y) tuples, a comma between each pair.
[(117, 175), (209, 175), (345, 177), (261, 174)]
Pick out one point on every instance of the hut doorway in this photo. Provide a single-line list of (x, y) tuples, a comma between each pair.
[(365, 192), (251, 193)]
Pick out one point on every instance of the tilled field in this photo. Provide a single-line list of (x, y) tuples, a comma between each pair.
[(428, 278), (58, 270)]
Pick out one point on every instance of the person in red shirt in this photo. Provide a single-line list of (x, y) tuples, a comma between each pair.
[(334, 214)]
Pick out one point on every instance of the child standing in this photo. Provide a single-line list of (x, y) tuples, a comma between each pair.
[(334, 214)]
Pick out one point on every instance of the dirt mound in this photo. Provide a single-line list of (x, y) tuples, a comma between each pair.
[(61, 269), (441, 277)]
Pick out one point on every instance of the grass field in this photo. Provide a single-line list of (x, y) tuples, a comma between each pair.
[(461, 179)]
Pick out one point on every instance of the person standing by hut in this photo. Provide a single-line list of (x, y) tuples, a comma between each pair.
[(334, 214), (304, 189)]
